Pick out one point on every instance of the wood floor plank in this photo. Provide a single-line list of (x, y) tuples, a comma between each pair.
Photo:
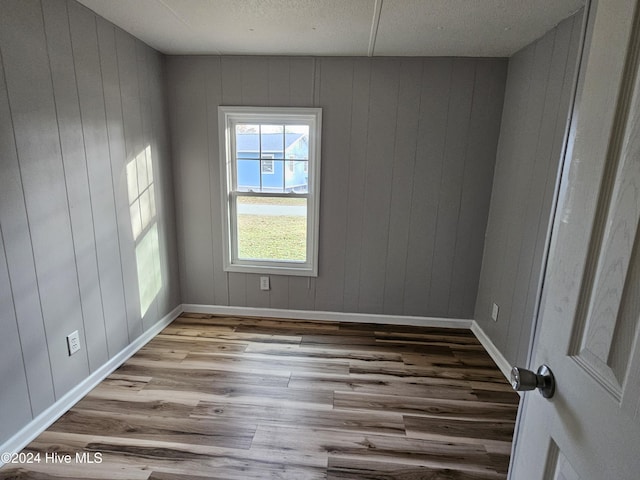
[(236, 398), (443, 408), (327, 419), (354, 469)]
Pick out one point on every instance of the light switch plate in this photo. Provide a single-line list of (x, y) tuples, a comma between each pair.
[(264, 283)]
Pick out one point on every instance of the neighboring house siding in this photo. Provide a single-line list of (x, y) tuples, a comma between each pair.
[(408, 152), (537, 101)]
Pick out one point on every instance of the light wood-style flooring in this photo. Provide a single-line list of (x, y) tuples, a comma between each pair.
[(244, 398)]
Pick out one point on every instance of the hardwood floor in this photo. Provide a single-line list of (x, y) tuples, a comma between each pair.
[(240, 398)]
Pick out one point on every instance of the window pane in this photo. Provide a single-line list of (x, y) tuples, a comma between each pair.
[(273, 177), (297, 176), (297, 142), (272, 228), (248, 175), (272, 141), (247, 141)]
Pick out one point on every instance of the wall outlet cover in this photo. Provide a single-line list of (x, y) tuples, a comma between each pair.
[(494, 312), (73, 342), (264, 283)]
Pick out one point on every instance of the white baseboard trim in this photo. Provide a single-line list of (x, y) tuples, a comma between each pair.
[(492, 350), (39, 424), (327, 316)]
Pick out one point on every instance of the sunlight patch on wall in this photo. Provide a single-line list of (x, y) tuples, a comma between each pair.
[(142, 207)]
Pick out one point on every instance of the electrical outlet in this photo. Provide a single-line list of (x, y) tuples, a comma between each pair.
[(264, 283), (73, 342), (494, 312)]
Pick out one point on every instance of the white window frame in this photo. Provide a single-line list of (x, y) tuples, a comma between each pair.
[(228, 117)]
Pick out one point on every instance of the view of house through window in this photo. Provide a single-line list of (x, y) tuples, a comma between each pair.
[(270, 193)]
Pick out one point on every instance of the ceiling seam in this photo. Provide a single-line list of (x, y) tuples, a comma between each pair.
[(377, 8)]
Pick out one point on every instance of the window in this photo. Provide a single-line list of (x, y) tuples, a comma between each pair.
[(270, 169)]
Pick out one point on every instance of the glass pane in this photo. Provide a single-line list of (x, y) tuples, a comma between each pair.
[(297, 176), (297, 142), (272, 141), (247, 141), (273, 172), (272, 228), (248, 175)]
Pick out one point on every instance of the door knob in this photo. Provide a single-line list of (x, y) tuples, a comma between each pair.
[(523, 380)]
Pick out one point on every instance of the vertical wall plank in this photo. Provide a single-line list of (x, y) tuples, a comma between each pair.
[(404, 158), (213, 74), (38, 147), (358, 132), (20, 260), (14, 396), (335, 95), (382, 129), (459, 112), (434, 103), (132, 125), (144, 93)]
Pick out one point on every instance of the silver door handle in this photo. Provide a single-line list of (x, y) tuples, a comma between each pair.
[(523, 380)]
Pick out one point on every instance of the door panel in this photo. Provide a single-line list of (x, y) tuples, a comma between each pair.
[(588, 325)]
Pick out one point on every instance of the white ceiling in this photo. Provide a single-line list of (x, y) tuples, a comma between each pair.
[(337, 27)]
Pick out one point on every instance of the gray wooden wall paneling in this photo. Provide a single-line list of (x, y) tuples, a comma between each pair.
[(14, 396), (232, 95), (532, 230), (213, 73), (383, 100), (118, 327), (534, 121), (566, 48), (456, 138), (481, 146), (169, 296), (63, 199), (402, 183), (39, 155), (378, 230), (18, 250), (356, 168), (96, 145), (144, 93), (519, 188), (132, 125), (513, 116), (196, 238), (432, 127), (336, 85), (76, 177)]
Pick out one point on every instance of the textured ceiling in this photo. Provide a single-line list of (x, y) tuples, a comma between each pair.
[(337, 27)]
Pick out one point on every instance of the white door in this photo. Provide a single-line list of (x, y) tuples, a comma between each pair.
[(588, 330)]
